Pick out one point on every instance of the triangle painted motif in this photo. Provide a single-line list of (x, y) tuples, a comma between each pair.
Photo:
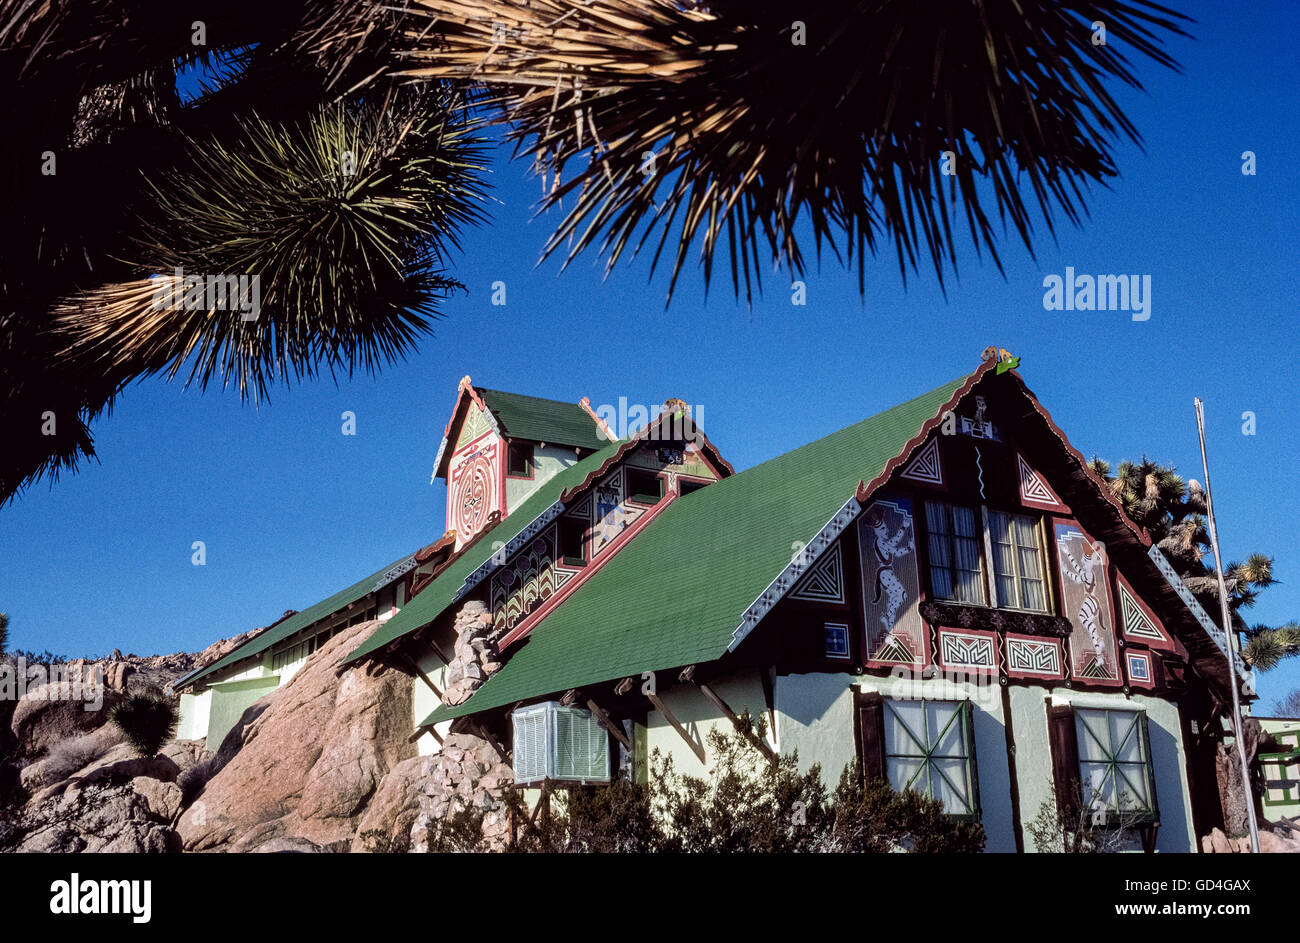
[(925, 467), (1033, 489)]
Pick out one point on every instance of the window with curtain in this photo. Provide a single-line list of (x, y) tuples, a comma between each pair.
[(1019, 567), (956, 557)]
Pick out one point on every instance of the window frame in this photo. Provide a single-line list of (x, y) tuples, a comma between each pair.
[(988, 565), (575, 523), (873, 748), (645, 499), (1065, 724), (1045, 573), (526, 449), (951, 535)]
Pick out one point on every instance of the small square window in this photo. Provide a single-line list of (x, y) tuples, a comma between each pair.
[(837, 640), (686, 486), (573, 541), (644, 487), (520, 460)]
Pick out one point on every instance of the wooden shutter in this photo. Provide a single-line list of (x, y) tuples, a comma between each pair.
[(1065, 760), (869, 731)]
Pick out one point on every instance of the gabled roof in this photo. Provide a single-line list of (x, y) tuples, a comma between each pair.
[(516, 416), (301, 620), (677, 593), (446, 588), (543, 420), (688, 589)]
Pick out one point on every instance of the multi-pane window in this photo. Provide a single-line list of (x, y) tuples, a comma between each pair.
[(1017, 562), (930, 749), (956, 560), (1115, 767)]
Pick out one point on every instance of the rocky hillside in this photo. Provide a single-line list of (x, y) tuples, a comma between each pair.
[(307, 768)]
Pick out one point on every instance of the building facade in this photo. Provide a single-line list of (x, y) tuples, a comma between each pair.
[(943, 593)]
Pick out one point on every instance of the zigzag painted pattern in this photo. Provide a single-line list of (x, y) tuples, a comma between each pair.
[(1033, 657)]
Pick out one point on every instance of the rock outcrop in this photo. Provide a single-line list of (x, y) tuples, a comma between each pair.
[(309, 764), (474, 657), (467, 773), (52, 713)]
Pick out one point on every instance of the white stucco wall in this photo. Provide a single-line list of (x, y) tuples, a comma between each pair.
[(548, 461), (424, 701), (815, 715), (697, 714), (195, 709), (1034, 758)]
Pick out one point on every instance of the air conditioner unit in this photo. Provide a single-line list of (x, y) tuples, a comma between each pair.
[(552, 741)]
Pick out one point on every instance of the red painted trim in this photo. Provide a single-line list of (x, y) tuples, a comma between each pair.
[(601, 426), (530, 621), (866, 490)]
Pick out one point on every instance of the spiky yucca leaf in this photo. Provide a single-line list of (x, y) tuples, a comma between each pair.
[(889, 123), (1266, 647), (345, 221)]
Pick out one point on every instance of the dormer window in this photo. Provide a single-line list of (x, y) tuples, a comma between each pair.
[(520, 460), (644, 487), (573, 541)]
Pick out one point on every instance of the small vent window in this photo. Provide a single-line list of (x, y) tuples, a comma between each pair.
[(644, 487), (561, 743), (520, 460)]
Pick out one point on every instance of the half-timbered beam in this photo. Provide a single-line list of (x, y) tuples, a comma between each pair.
[(745, 730), (669, 716)]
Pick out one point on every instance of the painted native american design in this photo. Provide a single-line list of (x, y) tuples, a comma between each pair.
[(890, 582), (1083, 568)]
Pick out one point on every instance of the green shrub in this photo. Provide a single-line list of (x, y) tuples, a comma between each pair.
[(746, 804), (147, 720)]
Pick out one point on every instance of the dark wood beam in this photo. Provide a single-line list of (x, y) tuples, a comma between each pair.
[(417, 670), (421, 731), (669, 716), (747, 731), (609, 724)]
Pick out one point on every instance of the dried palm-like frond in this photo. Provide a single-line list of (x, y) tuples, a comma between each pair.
[(336, 230), (870, 121)]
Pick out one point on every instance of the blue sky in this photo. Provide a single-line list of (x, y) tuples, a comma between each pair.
[(291, 510)]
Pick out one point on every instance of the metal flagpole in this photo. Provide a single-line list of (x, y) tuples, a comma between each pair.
[(1229, 639)]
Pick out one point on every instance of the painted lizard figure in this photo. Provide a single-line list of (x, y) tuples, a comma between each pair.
[(887, 550)]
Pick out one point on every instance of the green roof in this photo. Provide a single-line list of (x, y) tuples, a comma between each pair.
[(294, 624), (440, 594), (677, 593), (543, 420)]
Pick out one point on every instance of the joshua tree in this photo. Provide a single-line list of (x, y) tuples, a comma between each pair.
[(330, 154), (342, 205), (1156, 497)]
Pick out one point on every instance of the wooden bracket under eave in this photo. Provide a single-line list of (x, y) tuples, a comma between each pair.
[(421, 731), (745, 730), (696, 747), (418, 671), (609, 724)]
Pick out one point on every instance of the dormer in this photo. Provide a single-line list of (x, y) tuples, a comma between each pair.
[(498, 448)]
